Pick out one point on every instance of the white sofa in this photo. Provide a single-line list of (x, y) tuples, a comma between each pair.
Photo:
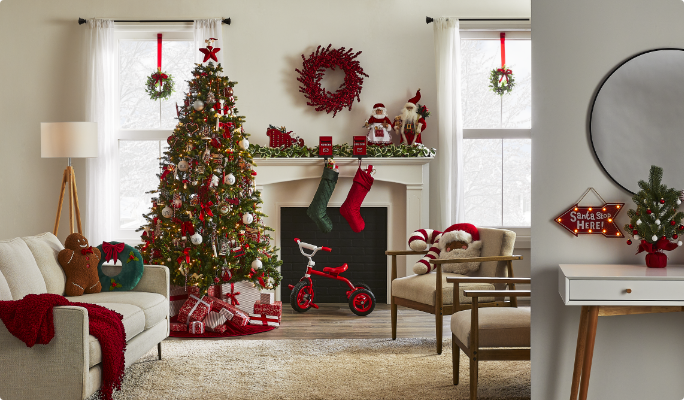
[(69, 367)]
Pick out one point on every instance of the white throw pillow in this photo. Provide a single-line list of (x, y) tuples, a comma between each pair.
[(20, 269)]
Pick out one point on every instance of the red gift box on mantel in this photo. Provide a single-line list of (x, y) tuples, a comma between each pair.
[(194, 309), (263, 320), (178, 327), (239, 317), (275, 308), (178, 295), (196, 328)]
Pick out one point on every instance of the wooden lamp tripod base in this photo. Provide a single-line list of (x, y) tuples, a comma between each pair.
[(69, 179)]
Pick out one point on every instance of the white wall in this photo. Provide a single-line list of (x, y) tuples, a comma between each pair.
[(41, 72), (575, 44)]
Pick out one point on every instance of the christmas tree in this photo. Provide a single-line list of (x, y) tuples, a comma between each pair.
[(656, 220), (205, 224)]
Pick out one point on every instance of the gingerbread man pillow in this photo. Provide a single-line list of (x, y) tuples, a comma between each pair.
[(79, 261)]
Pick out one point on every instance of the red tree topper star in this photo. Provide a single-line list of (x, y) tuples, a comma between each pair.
[(210, 51)]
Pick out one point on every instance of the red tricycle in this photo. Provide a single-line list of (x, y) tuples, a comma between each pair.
[(361, 298)]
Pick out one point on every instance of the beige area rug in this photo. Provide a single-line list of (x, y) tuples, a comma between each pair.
[(315, 369)]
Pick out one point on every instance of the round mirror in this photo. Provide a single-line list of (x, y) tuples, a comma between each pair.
[(637, 119)]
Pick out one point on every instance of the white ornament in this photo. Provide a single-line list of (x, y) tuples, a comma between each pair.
[(247, 219), (678, 202), (657, 222), (214, 181), (636, 237), (257, 264), (183, 166), (244, 144), (229, 179), (198, 105), (167, 212), (679, 243), (654, 238), (196, 239), (638, 222)]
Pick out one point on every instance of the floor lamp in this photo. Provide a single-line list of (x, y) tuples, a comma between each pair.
[(68, 140)]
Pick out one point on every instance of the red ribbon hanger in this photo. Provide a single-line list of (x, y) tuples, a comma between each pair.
[(503, 69)]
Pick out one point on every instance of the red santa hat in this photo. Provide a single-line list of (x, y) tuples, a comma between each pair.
[(459, 232), (378, 105), (415, 99)]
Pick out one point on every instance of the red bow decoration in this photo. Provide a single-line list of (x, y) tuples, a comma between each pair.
[(87, 250), (167, 171), (186, 255), (111, 250), (233, 295), (206, 210), (210, 52), (505, 73), (253, 273), (186, 227), (660, 245), (215, 143), (159, 77)]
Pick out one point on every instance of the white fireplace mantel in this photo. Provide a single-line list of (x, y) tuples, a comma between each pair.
[(412, 173)]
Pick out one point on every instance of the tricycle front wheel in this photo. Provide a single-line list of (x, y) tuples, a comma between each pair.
[(362, 302), (301, 297)]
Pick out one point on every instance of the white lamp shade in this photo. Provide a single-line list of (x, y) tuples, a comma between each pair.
[(68, 139)]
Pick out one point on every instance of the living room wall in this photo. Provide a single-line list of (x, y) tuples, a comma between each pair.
[(575, 45), (41, 73)]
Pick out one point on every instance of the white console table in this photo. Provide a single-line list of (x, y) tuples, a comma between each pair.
[(614, 289)]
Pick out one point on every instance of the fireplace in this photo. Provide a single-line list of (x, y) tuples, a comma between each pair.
[(401, 188), (364, 252)]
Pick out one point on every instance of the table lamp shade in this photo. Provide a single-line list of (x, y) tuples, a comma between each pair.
[(68, 139)]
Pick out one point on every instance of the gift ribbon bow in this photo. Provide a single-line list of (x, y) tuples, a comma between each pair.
[(186, 255), (253, 273), (186, 227), (87, 250), (233, 295), (159, 77), (662, 244), (206, 210), (504, 74), (111, 251)]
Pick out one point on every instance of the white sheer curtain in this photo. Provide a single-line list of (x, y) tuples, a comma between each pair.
[(205, 29), (450, 154), (100, 171)]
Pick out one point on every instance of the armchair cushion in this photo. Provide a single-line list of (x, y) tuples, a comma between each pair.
[(20, 270), (498, 326), (422, 289)]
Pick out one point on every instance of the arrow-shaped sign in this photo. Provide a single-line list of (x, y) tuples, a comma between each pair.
[(592, 220)]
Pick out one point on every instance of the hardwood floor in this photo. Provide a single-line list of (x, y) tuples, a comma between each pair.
[(336, 321)]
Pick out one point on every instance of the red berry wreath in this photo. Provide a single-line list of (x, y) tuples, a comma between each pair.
[(313, 71)]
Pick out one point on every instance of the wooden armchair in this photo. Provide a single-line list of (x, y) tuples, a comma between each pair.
[(481, 333), (431, 294)]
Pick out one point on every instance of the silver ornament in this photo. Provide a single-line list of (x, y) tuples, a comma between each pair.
[(196, 239), (229, 179), (183, 166), (257, 264), (167, 212), (198, 105)]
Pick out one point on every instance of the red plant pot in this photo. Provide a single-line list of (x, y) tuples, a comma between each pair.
[(656, 260)]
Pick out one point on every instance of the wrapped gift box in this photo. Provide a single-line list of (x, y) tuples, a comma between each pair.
[(245, 293), (220, 329), (196, 327), (267, 298), (263, 320), (239, 317), (275, 308), (195, 309), (178, 327), (214, 320), (178, 295), (214, 291)]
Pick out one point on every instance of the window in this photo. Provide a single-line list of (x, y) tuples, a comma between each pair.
[(496, 136), (143, 124)]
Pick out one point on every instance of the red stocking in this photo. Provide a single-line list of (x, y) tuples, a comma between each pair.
[(351, 208)]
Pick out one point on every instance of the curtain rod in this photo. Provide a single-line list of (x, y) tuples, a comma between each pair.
[(82, 21), (430, 19)]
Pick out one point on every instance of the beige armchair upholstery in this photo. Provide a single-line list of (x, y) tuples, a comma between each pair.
[(431, 294), (486, 334)]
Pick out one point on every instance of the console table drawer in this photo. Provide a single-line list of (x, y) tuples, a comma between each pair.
[(617, 290)]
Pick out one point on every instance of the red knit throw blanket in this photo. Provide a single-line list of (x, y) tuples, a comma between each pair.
[(30, 320)]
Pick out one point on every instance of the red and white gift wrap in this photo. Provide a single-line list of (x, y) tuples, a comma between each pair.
[(249, 294), (214, 291), (239, 318), (177, 297), (220, 329), (214, 320), (178, 327), (196, 328), (267, 298), (264, 320), (275, 308), (229, 315), (194, 309)]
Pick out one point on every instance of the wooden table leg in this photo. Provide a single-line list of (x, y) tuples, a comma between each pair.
[(592, 319), (579, 352)]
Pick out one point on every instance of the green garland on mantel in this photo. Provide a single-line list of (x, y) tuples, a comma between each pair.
[(342, 150)]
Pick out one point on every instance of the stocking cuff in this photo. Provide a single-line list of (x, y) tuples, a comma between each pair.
[(330, 174), (364, 179)]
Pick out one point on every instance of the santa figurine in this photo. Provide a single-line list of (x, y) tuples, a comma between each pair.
[(410, 124), (379, 126)]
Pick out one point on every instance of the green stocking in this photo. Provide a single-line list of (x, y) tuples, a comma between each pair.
[(319, 204)]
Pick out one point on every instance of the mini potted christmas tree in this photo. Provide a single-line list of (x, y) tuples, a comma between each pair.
[(656, 223)]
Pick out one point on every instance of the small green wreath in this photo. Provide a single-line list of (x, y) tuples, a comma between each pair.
[(501, 80), (159, 86)]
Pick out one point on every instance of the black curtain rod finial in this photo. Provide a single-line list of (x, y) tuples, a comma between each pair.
[(226, 21), (81, 21), (429, 20)]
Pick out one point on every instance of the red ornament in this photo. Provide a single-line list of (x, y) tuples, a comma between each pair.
[(312, 73), (648, 211), (216, 280), (631, 226), (629, 242), (662, 201), (675, 236), (681, 227), (635, 232), (672, 223)]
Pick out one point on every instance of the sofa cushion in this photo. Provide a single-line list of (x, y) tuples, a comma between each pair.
[(422, 288), (20, 270), (133, 322), (45, 248), (154, 305)]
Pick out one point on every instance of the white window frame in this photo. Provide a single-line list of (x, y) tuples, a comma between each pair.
[(487, 31), (137, 31)]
